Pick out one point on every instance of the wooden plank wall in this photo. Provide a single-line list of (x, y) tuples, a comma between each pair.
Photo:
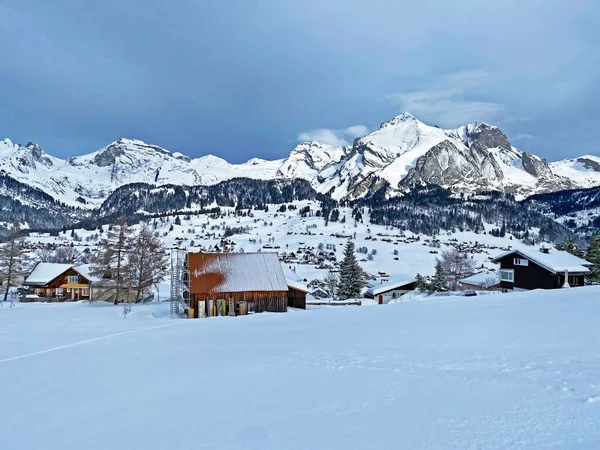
[(265, 301)]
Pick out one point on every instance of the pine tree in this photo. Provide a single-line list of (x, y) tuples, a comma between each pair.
[(351, 274), (593, 256), (111, 258), (421, 283), (147, 261), (438, 281), (11, 256)]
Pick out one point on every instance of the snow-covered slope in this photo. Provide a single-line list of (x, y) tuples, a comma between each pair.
[(583, 171), (403, 152)]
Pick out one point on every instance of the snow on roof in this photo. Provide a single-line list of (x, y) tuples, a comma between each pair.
[(298, 286), (236, 272), (43, 273), (85, 269), (554, 261), (380, 289), (290, 274), (482, 278)]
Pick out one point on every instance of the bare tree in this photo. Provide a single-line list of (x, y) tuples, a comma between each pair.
[(11, 256), (331, 280), (111, 258), (44, 255), (67, 255), (456, 266), (147, 260)]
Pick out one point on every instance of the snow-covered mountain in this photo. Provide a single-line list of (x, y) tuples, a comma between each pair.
[(402, 153)]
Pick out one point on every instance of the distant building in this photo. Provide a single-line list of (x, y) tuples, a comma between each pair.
[(542, 269), (484, 281), (239, 280), (384, 292), (58, 282)]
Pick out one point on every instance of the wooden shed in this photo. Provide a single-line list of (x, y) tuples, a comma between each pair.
[(254, 279), (296, 294)]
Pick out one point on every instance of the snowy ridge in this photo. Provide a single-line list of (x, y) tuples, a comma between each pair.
[(403, 152)]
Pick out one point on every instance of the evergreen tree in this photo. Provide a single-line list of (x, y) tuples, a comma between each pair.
[(593, 256), (438, 281), (111, 258), (11, 256), (351, 274), (421, 283)]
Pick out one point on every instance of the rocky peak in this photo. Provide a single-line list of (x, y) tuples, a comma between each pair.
[(536, 166), (589, 163), (484, 136)]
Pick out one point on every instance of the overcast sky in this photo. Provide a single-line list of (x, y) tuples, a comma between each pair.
[(249, 78)]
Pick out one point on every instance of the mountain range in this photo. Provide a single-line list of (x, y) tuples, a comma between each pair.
[(400, 154)]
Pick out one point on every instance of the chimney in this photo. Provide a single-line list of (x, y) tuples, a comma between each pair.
[(544, 249)]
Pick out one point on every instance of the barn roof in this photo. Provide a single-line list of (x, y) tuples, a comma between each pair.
[(554, 261), (235, 272), (297, 285)]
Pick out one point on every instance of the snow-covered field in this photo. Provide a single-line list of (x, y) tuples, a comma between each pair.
[(513, 371)]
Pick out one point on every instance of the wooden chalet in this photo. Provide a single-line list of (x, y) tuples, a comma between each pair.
[(542, 269), (58, 282), (239, 280)]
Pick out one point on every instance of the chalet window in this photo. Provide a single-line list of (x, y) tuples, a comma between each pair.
[(85, 292), (573, 281), (73, 279), (507, 275), (521, 262), (37, 291), (59, 291)]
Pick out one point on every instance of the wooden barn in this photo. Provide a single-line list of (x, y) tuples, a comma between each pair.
[(242, 281)]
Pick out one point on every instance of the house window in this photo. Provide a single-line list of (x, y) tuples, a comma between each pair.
[(37, 291), (507, 275), (59, 291), (73, 279), (521, 262), (85, 292), (573, 281)]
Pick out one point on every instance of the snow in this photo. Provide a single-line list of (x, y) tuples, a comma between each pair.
[(297, 285), (555, 261), (384, 287), (242, 271), (579, 170), (46, 272), (506, 371), (480, 278)]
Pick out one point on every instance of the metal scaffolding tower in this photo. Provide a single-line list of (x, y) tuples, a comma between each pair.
[(179, 281)]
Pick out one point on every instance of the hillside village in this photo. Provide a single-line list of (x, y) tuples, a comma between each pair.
[(394, 263)]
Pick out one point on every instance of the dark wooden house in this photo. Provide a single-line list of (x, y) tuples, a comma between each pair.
[(255, 280), (540, 269), (297, 294), (58, 282)]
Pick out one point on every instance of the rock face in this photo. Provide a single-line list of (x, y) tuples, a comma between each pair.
[(536, 166)]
